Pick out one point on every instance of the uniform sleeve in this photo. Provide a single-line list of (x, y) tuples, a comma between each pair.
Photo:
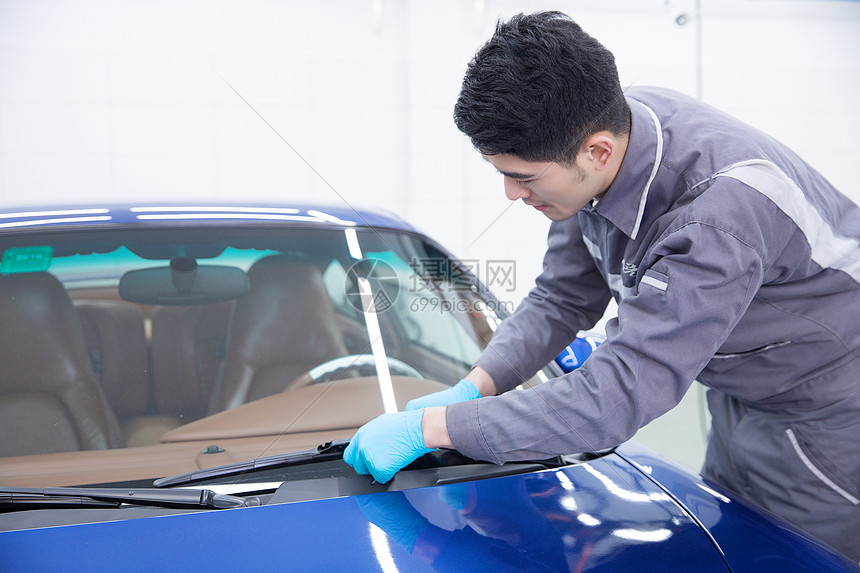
[(698, 286), (569, 295)]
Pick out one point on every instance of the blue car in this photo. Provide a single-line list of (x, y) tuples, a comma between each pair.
[(178, 384)]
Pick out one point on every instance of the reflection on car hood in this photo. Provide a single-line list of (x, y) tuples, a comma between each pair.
[(599, 515)]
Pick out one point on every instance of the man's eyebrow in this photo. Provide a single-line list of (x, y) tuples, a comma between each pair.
[(520, 176), (511, 174)]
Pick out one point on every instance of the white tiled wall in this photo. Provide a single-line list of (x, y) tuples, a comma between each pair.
[(126, 100)]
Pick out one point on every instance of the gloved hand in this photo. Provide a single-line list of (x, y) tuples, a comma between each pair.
[(392, 513), (460, 392), (387, 444)]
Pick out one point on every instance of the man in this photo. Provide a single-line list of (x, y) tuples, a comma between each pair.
[(733, 262)]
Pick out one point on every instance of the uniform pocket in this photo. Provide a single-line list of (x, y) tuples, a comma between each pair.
[(753, 352), (821, 466)]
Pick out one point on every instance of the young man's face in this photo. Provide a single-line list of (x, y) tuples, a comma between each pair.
[(557, 191)]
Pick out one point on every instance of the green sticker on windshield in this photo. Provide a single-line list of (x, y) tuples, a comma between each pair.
[(26, 260)]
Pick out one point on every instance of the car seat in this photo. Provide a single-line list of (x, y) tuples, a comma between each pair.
[(50, 400), (115, 335), (188, 346), (284, 326)]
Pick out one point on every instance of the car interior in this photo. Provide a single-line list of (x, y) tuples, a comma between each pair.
[(98, 359)]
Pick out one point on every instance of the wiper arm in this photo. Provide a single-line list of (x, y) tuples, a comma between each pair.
[(329, 451), (53, 497)]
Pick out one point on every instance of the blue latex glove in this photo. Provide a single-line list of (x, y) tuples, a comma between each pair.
[(387, 444), (394, 515), (460, 392)]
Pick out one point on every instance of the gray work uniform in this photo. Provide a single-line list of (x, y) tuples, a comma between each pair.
[(733, 263)]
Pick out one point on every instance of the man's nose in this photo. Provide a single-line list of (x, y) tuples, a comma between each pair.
[(516, 190)]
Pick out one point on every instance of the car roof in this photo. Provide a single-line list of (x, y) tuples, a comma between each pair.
[(194, 212)]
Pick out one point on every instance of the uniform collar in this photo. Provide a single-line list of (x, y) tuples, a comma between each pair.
[(623, 204)]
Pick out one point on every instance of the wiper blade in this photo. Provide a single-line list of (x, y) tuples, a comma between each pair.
[(53, 497), (329, 451)]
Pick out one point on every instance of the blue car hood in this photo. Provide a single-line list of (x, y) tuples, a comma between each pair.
[(602, 515)]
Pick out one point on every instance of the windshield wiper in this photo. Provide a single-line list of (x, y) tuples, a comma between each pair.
[(329, 451), (19, 498)]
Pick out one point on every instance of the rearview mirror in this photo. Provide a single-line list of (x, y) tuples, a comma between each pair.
[(184, 283)]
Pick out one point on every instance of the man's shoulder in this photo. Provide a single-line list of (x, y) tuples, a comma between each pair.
[(668, 104), (684, 121), (657, 94)]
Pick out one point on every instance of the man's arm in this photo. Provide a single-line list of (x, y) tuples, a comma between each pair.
[(433, 425), (435, 428), (483, 381), (703, 279), (569, 295)]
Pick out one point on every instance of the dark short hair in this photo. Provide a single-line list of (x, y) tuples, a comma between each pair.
[(538, 89)]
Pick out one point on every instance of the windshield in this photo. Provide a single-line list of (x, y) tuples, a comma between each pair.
[(132, 354)]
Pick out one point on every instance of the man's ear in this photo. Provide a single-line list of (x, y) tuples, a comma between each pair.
[(598, 150)]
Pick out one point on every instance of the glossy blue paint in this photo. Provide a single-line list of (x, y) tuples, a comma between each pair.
[(752, 540), (194, 212), (603, 515)]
